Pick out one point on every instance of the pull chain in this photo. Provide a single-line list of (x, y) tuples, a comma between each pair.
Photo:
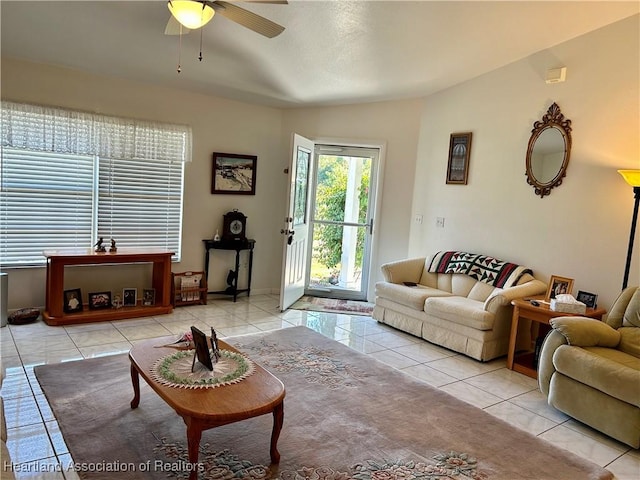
[(180, 49), (200, 57)]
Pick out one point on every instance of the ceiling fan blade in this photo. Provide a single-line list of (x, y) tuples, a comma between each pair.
[(248, 19), (173, 27)]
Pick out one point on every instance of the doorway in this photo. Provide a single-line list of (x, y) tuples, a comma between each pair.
[(343, 203)]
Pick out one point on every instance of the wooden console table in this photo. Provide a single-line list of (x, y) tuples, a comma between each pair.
[(57, 260), (524, 362), (238, 246)]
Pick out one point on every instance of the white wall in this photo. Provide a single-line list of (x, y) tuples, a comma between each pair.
[(581, 230), (218, 125)]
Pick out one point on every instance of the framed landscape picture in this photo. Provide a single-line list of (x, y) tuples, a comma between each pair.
[(233, 174)]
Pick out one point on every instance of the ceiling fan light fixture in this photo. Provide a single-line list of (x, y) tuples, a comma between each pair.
[(191, 13)]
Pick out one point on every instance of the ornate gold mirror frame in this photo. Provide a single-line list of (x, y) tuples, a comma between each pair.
[(548, 151)]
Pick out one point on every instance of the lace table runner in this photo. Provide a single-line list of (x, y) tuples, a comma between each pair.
[(174, 370)]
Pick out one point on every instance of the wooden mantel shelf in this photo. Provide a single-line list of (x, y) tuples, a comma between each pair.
[(57, 260)]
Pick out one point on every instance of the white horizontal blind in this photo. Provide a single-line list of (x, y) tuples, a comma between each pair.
[(45, 203), (140, 203), (68, 177)]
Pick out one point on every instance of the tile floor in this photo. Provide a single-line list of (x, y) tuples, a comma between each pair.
[(38, 449)]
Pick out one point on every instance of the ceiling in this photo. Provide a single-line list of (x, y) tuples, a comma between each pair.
[(332, 52)]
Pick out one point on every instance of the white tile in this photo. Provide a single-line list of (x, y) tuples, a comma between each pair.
[(470, 394), (29, 443), (429, 375), (535, 401), (424, 352), (362, 345), (393, 359), (105, 350), (97, 337), (504, 383), (521, 418), (238, 330), (601, 453), (137, 332), (393, 339), (461, 367), (626, 467)]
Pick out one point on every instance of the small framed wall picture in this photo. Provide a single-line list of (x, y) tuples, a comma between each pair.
[(129, 297), (459, 153), (558, 286), (149, 297), (99, 300), (589, 299), (72, 301), (234, 174)]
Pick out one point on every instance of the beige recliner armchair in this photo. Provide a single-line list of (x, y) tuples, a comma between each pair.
[(590, 370)]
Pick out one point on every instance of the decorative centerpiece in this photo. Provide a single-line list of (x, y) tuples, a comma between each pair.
[(204, 368)]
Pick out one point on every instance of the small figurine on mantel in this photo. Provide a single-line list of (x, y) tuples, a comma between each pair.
[(99, 245), (113, 248), (216, 237)]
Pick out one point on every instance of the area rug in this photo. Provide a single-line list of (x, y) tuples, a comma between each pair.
[(346, 416), (333, 305)]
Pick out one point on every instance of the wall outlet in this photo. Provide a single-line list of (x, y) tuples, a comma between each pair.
[(418, 218), (440, 222)]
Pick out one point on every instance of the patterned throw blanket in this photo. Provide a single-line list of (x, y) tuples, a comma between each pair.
[(481, 267)]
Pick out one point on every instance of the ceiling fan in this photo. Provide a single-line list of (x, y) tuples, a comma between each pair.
[(193, 14)]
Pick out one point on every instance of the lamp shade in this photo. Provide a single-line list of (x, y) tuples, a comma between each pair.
[(632, 177), (190, 13)]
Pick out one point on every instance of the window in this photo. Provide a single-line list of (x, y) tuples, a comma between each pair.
[(68, 178)]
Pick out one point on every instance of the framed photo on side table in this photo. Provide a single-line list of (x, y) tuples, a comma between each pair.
[(99, 300), (72, 301), (233, 174), (149, 297), (129, 297), (459, 153), (557, 286), (589, 299)]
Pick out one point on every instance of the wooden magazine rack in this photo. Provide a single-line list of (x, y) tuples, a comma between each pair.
[(188, 288)]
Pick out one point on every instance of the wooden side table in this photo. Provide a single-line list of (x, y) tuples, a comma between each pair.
[(523, 309), (237, 246)]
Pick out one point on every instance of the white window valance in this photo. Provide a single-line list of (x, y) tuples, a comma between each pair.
[(54, 129)]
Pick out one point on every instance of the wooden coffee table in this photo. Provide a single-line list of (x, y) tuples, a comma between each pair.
[(205, 408)]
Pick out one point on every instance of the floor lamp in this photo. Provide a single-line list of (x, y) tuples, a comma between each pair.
[(632, 177)]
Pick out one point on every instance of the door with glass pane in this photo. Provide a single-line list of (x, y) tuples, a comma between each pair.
[(342, 221)]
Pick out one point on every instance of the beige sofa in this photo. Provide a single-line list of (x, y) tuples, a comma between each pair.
[(462, 301), (591, 370)]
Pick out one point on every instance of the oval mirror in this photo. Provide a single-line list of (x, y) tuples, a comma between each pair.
[(548, 151)]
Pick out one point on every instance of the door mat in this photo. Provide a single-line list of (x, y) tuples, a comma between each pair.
[(333, 305)]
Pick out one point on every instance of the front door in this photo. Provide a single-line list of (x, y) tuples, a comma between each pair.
[(343, 199), (295, 231)]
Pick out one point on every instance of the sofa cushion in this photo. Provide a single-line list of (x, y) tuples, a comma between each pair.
[(413, 297), (606, 369), (632, 312), (630, 341), (584, 332), (461, 310)]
